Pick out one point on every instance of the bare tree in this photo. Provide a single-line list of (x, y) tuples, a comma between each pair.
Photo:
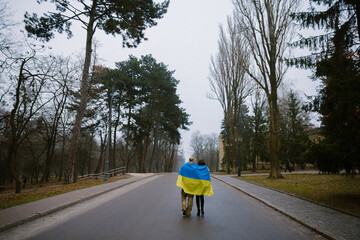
[(266, 27), (211, 155), (197, 144), (65, 73), (228, 80), (205, 146), (6, 40), (28, 100)]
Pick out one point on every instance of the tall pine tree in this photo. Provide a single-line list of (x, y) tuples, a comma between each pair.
[(335, 61), (126, 18)]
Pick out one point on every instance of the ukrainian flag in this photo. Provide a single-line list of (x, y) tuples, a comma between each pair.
[(195, 179)]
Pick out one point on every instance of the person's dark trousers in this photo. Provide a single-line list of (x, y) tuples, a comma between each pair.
[(200, 202)]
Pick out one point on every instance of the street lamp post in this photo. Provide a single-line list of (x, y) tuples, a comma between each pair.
[(228, 147), (109, 134)]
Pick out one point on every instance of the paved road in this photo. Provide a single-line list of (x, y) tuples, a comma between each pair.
[(151, 210)]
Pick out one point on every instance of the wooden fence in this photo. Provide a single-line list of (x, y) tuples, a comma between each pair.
[(112, 172)]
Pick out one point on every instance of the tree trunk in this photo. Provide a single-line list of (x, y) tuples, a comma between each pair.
[(274, 150), (233, 156), (50, 152), (83, 162), (113, 150), (69, 177), (171, 163), (14, 139), (146, 141), (254, 162), (228, 140), (110, 164), (274, 139), (114, 141), (62, 153), (154, 146), (90, 153), (45, 177), (14, 173), (143, 155), (18, 183), (97, 170), (127, 158)]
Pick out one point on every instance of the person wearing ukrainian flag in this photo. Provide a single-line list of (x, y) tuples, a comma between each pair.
[(193, 179)]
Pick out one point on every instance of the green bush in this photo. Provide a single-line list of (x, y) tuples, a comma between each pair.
[(325, 157)]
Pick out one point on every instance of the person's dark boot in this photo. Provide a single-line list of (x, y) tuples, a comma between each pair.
[(198, 213), (202, 212)]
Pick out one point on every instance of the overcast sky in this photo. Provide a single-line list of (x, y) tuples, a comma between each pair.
[(184, 40)]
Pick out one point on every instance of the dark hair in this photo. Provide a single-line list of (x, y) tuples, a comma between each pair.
[(201, 162)]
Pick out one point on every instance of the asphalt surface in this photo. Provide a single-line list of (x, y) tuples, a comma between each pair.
[(17, 215), (151, 209), (332, 223)]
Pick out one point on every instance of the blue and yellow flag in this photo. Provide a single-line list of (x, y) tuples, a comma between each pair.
[(195, 179)]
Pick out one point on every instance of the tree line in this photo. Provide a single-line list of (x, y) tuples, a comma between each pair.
[(206, 147), (252, 59), (251, 145), (55, 110)]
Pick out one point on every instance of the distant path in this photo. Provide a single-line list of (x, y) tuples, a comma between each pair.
[(152, 211), (284, 173)]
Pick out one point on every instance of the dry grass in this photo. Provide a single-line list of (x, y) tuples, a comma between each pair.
[(331, 190), (45, 191), (242, 172)]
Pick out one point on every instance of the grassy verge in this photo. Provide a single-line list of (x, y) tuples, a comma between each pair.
[(331, 190), (44, 192), (242, 172)]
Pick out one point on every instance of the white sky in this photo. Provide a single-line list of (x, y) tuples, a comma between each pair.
[(184, 39)]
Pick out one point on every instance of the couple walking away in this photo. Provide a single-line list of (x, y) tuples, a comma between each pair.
[(194, 179)]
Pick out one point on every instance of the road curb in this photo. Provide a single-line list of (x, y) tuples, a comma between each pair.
[(319, 231), (11, 225)]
